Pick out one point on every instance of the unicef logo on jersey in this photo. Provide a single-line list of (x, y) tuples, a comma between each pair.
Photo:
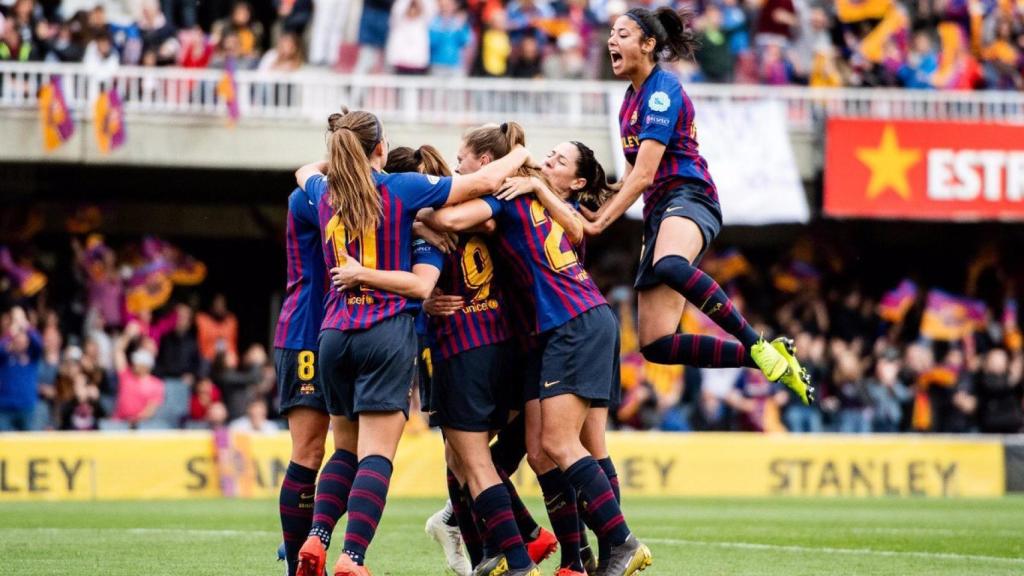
[(659, 102)]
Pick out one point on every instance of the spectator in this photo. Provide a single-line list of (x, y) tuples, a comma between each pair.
[(68, 45), (78, 405), (139, 393), (450, 34), (800, 418), (180, 13), (255, 419), (999, 393), (21, 350), (179, 352), (101, 57), (330, 23), (569, 62), (887, 393), (285, 57), (196, 49), (774, 69), (408, 46), (217, 330), (527, 61), (295, 15), (734, 24), (205, 395), (96, 265), (240, 381), (373, 35), (158, 35), (495, 45), (714, 54), (921, 63), (954, 405), (1002, 59), (775, 23), (47, 377), (229, 52), (13, 47), (852, 404), (756, 403), (248, 31), (524, 18)]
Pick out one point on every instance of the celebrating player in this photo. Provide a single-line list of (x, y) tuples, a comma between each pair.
[(368, 343), (681, 210), (301, 395), (576, 363)]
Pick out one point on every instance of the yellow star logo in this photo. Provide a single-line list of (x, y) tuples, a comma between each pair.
[(888, 164)]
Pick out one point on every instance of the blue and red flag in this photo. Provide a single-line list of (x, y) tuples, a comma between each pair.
[(108, 118), (895, 303), (58, 125), (227, 90), (27, 280), (950, 317)]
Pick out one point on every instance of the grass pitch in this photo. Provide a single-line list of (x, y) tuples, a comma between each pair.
[(770, 537)]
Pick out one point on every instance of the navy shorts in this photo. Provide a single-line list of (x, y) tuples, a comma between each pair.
[(298, 380), (370, 370), (690, 201), (473, 389), (580, 357)]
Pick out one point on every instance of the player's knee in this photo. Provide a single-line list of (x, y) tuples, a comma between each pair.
[(538, 459), (308, 452), (655, 351), (556, 449), (672, 269)]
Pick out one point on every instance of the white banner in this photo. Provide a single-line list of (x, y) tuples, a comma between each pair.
[(751, 160)]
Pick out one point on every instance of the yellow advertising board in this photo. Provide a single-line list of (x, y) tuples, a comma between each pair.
[(53, 466)]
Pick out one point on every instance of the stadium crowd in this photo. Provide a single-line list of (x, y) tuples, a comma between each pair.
[(924, 44), (101, 359)]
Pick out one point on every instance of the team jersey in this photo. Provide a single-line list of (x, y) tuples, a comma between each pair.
[(303, 310), (542, 262), (662, 111), (389, 247), (467, 271)]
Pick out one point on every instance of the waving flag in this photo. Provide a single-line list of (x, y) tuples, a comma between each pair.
[(1012, 336), (58, 126), (108, 117), (726, 266), (895, 303), (950, 317), (796, 277), (227, 90), (27, 280)]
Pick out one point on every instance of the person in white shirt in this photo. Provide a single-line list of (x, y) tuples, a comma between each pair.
[(408, 48), (255, 419)]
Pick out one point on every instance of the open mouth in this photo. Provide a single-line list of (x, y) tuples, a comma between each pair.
[(616, 57)]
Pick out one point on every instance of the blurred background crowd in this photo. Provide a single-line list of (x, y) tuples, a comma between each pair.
[(924, 44), (135, 335)]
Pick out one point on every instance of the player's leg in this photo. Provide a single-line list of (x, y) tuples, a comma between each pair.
[(559, 495), (593, 438), (308, 429), (453, 526), (332, 493), (491, 500)]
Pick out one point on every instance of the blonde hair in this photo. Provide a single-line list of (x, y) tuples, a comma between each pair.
[(352, 191), (497, 141)]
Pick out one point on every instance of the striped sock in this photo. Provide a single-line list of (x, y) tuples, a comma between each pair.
[(702, 291), (524, 520), (332, 494), (698, 350), (296, 509), (366, 505), (560, 502), (587, 477), (489, 548), (494, 506), (604, 547), (464, 517)]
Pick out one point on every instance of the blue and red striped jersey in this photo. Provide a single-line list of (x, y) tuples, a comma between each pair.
[(468, 272), (389, 247), (298, 325), (662, 111), (542, 262)]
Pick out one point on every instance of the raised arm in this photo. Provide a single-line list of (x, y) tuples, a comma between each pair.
[(312, 169), (638, 179), (459, 218), (560, 211), (487, 179)]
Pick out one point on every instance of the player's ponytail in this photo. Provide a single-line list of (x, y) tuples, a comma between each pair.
[(672, 30), (514, 134), (352, 191), (430, 161), (597, 190)]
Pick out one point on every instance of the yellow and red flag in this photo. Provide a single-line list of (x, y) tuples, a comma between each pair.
[(950, 317), (108, 117), (54, 115)]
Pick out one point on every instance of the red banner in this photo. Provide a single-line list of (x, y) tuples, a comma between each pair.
[(924, 170)]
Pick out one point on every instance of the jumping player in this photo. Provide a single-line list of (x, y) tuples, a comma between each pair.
[(368, 343), (681, 209), (301, 395), (577, 358)]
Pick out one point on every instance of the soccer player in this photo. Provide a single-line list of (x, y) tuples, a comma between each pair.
[(576, 177), (576, 362), (367, 357), (681, 210), (301, 394)]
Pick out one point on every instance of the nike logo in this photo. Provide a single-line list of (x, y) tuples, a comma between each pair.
[(673, 209), (306, 496), (550, 384)]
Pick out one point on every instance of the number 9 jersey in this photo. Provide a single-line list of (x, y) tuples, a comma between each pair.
[(542, 262)]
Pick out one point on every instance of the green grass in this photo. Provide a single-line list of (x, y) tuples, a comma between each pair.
[(783, 537)]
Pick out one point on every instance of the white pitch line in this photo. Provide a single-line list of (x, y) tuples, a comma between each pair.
[(830, 550), (181, 531)]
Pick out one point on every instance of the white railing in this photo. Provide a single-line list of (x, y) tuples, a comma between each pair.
[(311, 94)]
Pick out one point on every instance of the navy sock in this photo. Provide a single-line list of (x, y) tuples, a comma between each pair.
[(698, 350), (488, 547), (703, 292), (464, 517), (509, 448), (332, 494), (296, 509), (494, 506), (604, 547), (586, 476), (524, 520), (560, 502), (366, 505)]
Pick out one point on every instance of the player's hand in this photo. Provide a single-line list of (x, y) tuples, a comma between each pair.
[(446, 242), (591, 221), (515, 187), (441, 304), (347, 275)]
